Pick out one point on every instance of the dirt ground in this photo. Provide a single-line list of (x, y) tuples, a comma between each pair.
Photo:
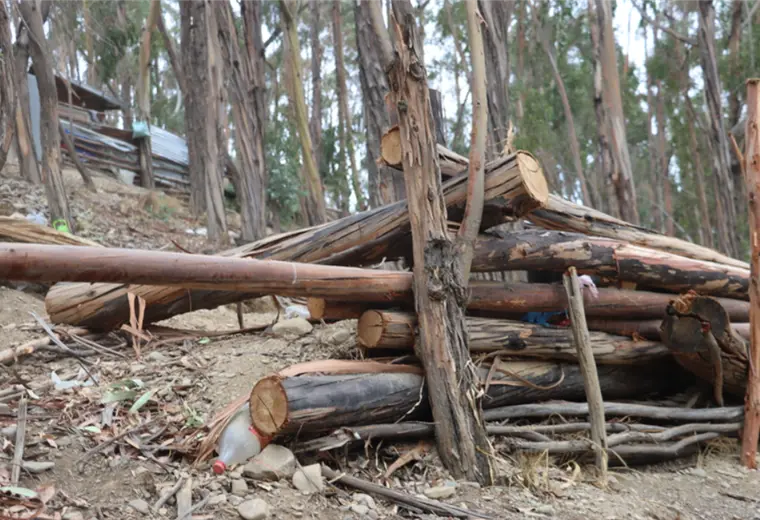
[(192, 380)]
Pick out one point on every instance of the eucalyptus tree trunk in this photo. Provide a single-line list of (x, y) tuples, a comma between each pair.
[(734, 42), (315, 123), (7, 86)]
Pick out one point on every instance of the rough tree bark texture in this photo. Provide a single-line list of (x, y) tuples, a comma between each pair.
[(52, 178), (386, 184), (719, 151), (143, 95), (315, 201), (438, 289), (126, 80), (622, 173), (497, 15), (734, 40), (315, 123), (663, 164), (240, 72), (345, 127), (7, 86), (92, 68)]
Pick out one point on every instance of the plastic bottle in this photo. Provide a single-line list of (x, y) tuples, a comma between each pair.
[(238, 442)]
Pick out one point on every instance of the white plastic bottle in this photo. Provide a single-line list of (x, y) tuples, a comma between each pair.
[(238, 442)]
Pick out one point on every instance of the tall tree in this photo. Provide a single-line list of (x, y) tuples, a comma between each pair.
[(460, 433), (246, 102), (620, 171), (42, 61), (315, 201), (345, 128), (143, 95), (92, 68), (734, 41), (497, 15), (718, 141), (315, 123), (386, 184), (205, 101), (7, 85)]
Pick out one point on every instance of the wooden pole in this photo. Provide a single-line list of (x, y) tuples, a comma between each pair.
[(588, 369), (752, 158)]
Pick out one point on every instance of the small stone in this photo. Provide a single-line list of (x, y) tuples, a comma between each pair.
[(156, 357), (255, 509), (440, 492), (359, 509), (221, 498), (8, 431), (236, 473), (308, 479), (239, 487), (273, 463), (73, 515), (163, 511), (373, 515), (140, 505), (215, 485), (136, 367), (469, 484), (292, 327), (545, 509), (33, 466), (362, 498), (235, 500), (698, 472), (340, 336)]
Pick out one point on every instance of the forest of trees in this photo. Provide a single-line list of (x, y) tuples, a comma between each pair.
[(291, 93)]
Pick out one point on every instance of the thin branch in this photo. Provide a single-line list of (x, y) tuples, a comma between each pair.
[(668, 30)]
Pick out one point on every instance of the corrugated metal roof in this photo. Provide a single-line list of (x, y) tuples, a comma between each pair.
[(168, 146)]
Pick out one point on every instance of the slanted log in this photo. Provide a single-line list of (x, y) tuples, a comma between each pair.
[(378, 329), (688, 330), (543, 250), (514, 186), (317, 404), (564, 215)]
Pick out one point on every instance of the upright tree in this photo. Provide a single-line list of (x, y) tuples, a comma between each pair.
[(52, 177), (7, 85), (315, 200), (315, 123), (143, 95)]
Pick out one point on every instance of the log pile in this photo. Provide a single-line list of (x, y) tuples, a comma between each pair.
[(664, 316)]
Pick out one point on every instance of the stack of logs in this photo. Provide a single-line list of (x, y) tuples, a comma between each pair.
[(664, 314)]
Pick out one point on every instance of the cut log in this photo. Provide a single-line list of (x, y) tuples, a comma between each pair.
[(317, 404), (647, 329), (514, 185), (392, 329), (331, 310), (21, 230), (557, 251), (451, 163), (563, 215), (687, 331)]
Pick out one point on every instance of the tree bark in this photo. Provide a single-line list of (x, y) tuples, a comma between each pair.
[(558, 251), (734, 42), (622, 173), (497, 15), (514, 185), (386, 185), (7, 86), (245, 96), (667, 214), (727, 192), (69, 144), (315, 123), (699, 173), (439, 296), (315, 201), (380, 329), (344, 127), (752, 397), (143, 95), (52, 177)]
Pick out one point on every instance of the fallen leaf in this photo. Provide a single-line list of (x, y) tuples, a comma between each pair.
[(46, 493)]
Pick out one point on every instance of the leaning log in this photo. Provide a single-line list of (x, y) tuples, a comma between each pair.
[(317, 404), (543, 250), (514, 186), (397, 330)]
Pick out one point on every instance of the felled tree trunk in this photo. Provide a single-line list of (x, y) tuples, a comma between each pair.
[(312, 404), (647, 329), (557, 251), (513, 186), (397, 330)]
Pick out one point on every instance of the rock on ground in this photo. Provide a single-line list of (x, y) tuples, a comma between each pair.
[(273, 463), (292, 327), (140, 505), (239, 487), (255, 509), (309, 479), (440, 492)]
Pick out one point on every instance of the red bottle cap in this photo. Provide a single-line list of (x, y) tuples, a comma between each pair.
[(219, 467)]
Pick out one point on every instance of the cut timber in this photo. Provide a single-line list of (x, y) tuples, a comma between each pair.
[(331, 310), (35, 263), (451, 163), (557, 251), (392, 329), (519, 298), (563, 215), (21, 230), (687, 331), (515, 185), (647, 329), (317, 404)]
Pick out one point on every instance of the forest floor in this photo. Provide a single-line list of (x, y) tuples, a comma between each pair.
[(193, 380)]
